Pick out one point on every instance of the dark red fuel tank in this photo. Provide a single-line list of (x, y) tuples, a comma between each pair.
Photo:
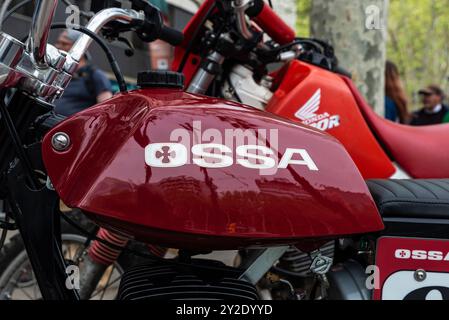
[(190, 171)]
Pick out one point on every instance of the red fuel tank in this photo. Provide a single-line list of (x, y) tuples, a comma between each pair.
[(188, 171), (316, 97)]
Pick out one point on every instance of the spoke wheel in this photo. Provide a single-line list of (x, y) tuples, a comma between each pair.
[(17, 280)]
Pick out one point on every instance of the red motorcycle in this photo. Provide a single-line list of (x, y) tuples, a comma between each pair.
[(222, 55), (307, 88), (196, 173)]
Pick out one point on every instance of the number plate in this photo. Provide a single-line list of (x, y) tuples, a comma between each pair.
[(412, 269)]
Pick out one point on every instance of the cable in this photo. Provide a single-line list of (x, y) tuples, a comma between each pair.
[(5, 224), (110, 56), (3, 10), (285, 46), (25, 2), (17, 143), (15, 8), (4, 234)]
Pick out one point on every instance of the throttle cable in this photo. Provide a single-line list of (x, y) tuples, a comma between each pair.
[(25, 2), (110, 56)]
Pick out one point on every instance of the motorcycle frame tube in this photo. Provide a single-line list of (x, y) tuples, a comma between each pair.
[(38, 220), (37, 216)]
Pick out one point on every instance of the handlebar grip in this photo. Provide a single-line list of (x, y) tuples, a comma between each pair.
[(172, 36), (271, 23)]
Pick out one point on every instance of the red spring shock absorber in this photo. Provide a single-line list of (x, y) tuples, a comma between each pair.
[(104, 254), (100, 257), (158, 251), (271, 23)]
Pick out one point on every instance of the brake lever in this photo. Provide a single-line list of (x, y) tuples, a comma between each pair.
[(113, 29)]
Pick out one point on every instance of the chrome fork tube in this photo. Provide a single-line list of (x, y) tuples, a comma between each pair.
[(3, 10), (206, 74), (40, 29)]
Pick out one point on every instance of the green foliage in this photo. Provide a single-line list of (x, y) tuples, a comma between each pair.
[(303, 22), (418, 40)]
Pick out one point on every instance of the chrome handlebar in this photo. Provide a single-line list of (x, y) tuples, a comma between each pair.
[(40, 29), (39, 68), (95, 25), (240, 7), (98, 22)]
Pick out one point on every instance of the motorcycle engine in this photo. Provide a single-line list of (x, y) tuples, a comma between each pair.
[(198, 281), (344, 281), (242, 87)]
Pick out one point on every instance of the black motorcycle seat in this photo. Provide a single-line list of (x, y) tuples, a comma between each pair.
[(413, 199)]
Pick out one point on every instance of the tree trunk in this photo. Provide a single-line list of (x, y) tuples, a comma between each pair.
[(357, 29)]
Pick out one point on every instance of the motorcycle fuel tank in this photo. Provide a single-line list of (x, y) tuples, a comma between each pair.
[(319, 98), (189, 171)]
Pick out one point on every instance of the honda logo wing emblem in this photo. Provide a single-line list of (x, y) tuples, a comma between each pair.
[(309, 110)]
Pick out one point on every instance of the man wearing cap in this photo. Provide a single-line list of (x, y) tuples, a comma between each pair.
[(434, 111), (89, 85)]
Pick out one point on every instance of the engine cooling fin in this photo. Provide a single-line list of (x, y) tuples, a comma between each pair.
[(173, 283)]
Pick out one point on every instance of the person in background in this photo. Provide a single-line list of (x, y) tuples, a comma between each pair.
[(396, 104), (89, 85), (434, 111)]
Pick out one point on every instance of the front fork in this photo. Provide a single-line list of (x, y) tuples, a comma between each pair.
[(100, 256), (37, 216)]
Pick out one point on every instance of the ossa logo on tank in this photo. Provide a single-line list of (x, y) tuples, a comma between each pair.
[(214, 156)]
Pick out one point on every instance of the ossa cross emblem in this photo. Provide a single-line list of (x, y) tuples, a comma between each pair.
[(166, 154)]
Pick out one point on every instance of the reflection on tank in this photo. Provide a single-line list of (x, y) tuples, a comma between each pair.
[(282, 188)]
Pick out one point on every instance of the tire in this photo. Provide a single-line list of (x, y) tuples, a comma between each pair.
[(9, 251), (14, 263)]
